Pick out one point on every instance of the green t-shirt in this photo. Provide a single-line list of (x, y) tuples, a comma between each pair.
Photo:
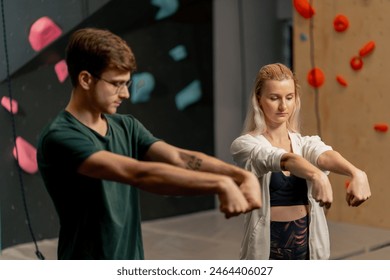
[(99, 219)]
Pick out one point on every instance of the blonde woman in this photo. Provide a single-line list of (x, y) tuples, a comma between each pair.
[(293, 173)]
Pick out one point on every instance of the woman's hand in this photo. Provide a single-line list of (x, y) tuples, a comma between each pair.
[(322, 189), (250, 188), (358, 190)]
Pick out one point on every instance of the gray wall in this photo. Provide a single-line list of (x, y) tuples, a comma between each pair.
[(247, 35)]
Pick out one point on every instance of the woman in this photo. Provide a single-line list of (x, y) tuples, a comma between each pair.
[(293, 172)]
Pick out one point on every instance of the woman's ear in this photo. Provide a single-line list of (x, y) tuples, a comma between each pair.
[(85, 80), (258, 102)]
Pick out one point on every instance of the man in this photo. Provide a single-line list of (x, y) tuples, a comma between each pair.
[(93, 160)]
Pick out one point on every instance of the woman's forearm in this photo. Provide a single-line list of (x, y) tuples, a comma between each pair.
[(335, 162), (299, 166)]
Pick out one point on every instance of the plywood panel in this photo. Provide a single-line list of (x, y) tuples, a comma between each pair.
[(347, 114)]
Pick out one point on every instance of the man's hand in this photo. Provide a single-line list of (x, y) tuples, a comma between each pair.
[(235, 200), (232, 201)]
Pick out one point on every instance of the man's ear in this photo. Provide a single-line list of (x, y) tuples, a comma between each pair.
[(85, 80)]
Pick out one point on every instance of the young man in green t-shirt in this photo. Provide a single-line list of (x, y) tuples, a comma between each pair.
[(93, 161)]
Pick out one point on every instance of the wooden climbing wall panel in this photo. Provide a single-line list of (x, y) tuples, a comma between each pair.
[(345, 115)]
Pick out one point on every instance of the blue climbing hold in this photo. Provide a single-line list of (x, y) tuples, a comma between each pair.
[(142, 87), (188, 95)]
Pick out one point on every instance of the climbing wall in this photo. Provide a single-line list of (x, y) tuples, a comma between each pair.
[(30, 77), (346, 101), (172, 94)]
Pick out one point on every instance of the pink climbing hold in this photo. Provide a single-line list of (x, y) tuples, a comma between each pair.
[(43, 32), (61, 70), (11, 107), (26, 154)]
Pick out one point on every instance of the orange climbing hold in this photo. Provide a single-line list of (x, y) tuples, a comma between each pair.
[(341, 81), (356, 63), (381, 127), (304, 8), (340, 23), (316, 77), (367, 48)]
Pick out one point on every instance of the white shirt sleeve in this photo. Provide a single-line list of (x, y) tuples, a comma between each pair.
[(312, 148), (256, 154)]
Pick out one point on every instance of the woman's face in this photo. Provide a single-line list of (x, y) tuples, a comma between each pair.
[(277, 101)]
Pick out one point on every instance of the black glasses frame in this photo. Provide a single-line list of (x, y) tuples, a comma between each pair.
[(118, 85)]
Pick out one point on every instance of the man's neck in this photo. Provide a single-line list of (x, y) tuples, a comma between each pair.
[(93, 119)]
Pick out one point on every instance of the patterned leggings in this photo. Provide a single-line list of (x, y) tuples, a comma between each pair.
[(289, 240)]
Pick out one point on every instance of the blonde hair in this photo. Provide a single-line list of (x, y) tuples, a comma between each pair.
[(254, 120)]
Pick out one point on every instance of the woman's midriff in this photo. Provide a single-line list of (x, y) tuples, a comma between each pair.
[(288, 213)]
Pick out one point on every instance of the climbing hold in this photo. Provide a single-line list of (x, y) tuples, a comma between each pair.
[(188, 95), (166, 8), (304, 8), (142, 87), (178, 53), (43, 32), (303, 37), (381, 127), (11, 107), (367, 48), (340, 23), (61, 70), (316, 77), (341, 81), (26, 155), (356, 63)]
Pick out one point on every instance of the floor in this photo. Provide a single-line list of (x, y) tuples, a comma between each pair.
[(209, 236)]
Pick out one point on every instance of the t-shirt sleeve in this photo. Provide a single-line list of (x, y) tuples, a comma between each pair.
[(67, 148), (256, 156), (144, 138)]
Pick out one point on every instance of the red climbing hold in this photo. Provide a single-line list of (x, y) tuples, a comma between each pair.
[(304, 8), (315, 77), (341, 81), (356, 63), (381, 127), (340, 23), (367, 48)]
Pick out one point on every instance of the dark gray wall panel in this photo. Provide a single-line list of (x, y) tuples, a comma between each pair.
[(21, 14)]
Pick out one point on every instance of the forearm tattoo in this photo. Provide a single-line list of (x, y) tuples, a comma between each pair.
[(194, 163)]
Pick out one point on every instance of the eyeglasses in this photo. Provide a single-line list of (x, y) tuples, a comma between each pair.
[(119, 85)]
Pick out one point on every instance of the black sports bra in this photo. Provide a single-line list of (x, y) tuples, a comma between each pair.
[(287, 190)]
